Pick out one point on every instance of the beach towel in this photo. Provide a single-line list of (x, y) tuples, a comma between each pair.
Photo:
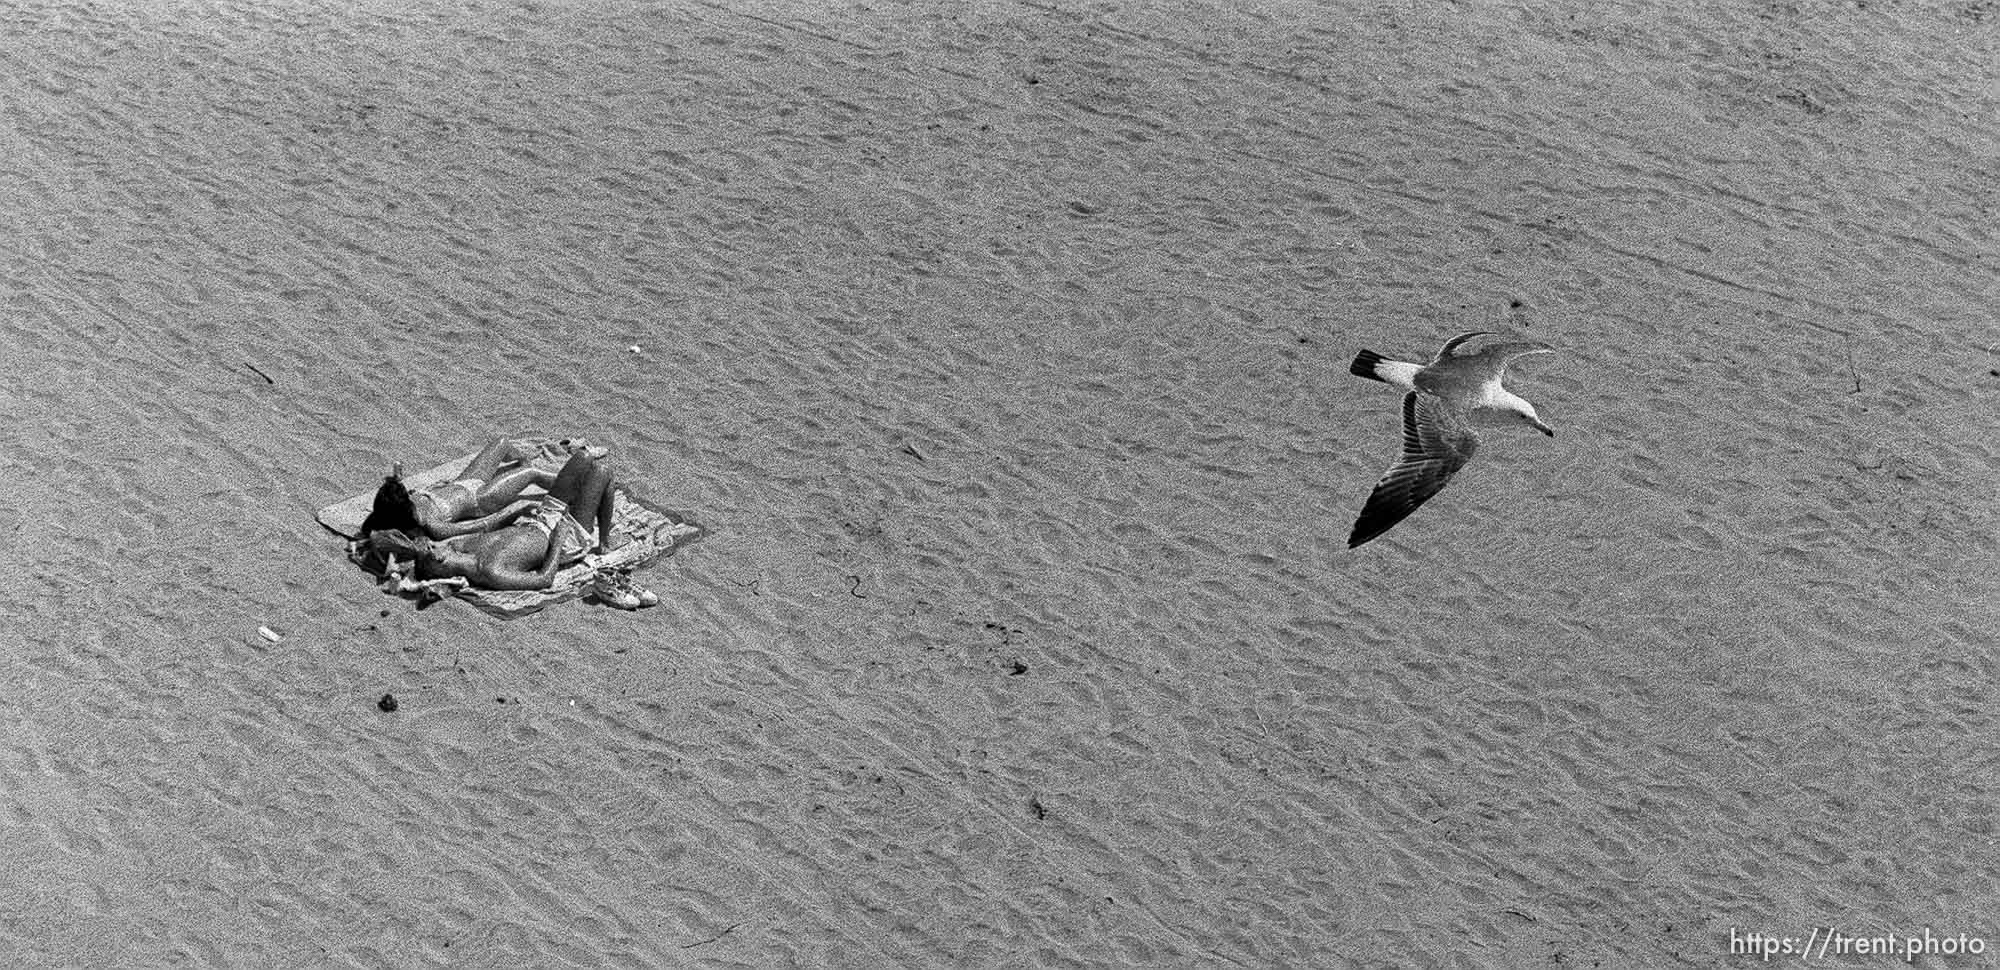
[(656, 533)]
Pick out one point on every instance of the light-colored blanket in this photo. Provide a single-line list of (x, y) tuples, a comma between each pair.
[(655, 533)]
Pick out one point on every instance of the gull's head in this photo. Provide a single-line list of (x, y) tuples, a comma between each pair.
[(1528, 416)]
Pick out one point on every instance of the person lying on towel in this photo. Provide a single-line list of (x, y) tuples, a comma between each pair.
[(475, 501), (527, 552)]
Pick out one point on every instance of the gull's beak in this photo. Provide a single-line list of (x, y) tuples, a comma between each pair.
[(1545, 429)]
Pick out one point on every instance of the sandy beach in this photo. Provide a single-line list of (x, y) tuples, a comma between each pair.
[(1002, 349)]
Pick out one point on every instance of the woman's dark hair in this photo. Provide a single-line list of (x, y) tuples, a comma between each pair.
[(382, 547), (392, 510)]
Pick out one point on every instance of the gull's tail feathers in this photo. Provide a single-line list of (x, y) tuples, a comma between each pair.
[(1367, 364), (1376, 367)]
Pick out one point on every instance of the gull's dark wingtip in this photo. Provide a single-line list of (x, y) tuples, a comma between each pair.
[(1372, 524)]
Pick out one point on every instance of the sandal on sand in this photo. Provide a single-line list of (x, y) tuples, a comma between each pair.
[(615, 589), (552, 452), (582, 446), (646, 596)]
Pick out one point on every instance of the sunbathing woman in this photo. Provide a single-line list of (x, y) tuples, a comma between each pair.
[(475, 501), (526, 553)]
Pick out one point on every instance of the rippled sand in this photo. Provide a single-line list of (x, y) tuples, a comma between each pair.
[(1005, 354)]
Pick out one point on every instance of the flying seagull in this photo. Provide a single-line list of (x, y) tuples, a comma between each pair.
[(1437, 429)]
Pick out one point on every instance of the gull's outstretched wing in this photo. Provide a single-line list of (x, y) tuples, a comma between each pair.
[(1491, 361), (1452, 344), (1437, 442)]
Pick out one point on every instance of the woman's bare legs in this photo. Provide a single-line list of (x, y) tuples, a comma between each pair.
[(503, 488), (585, 485), (486, 464), (503, 468)]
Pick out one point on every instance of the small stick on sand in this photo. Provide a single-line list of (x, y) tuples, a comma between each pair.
[(1850, 365), (712, 939), (253, 368)]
